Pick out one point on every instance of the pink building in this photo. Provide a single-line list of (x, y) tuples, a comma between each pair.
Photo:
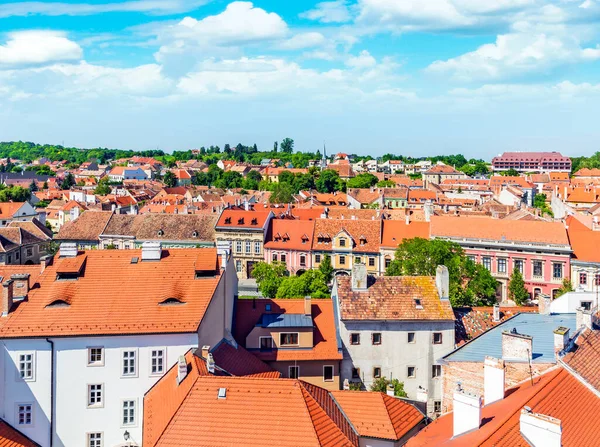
[(540, 250), (289, 241)]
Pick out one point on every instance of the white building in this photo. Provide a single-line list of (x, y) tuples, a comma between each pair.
[(97, 329), (395, 327)]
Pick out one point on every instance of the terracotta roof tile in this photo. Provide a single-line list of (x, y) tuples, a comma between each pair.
[(289, 234), (87, 227), (393, 298), (356, 229), (239, 362), (11, 437), (585, 359), (242, 219), (474, 321), (395, 231)]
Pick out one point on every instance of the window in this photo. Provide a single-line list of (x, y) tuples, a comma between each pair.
[(471, 257), (294, 372), (25, 414), (256, 248), (266, 343), (328, 373), (519, 265), (411, 372), (388, 261), (537, 268), (29, 252), (487, 263), (583, 278), (26, 366), (376, 338), (317, 259), (436, 371), (94, 439), (437, 406), (586, 305), (371, 262), (410, 337), (128, 412), (357, 260), (342, 260), (95, 397), (238, 266), (303, 260), (274, 257), (248, 247), (288, 339), (238, 246), (597, 280), (501, 265), (377, 372), (283, 258), (129, 363), (95, 356), (17, 255), (557, 270), (157, 361), (342, 242), (437, 338), (356, 373), (355, 339)]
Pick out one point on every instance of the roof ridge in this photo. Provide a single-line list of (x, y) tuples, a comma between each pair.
[(305, 394)]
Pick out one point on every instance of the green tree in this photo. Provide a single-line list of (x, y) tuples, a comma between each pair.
[(281, 193), (287, 146), (516, 288), (381, 385), (567, 286), (386, 184), (327, 181), (275, 147), (286, 177), (103, 187), (326, 268), (169, 179), (364, 180), (269, 277), (68, 182), (510, 173), (33, 187)]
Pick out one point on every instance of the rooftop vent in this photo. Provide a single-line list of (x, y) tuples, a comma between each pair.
[(222, 393), (135, 260), (151, 251)]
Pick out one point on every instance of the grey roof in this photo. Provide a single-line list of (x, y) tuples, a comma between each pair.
[(540, 327), (285, 320)]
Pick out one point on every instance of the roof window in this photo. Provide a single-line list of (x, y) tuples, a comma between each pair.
[(171, 301), (418, 304), (59, 303), (228, 220), (254, 221), (241, 221)]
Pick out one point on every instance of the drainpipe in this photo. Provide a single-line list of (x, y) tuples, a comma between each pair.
[(51, 391)]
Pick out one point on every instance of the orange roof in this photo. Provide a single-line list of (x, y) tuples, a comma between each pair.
[(474, 321), (393, 298), (113, 295), (288, 234), (583, 195), (325, 345), (11, 437), (556, 393), (242, 219), (499, 180), (367, 230), (586, 172), (584, 241), (421, 195), (585, 360), (561, 176), (377, 415), (8, 209), (443, 169), (181, 174), (395, 231), (499, 230), (239, 362)]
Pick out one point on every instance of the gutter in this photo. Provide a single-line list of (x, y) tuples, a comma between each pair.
[(51, 391)]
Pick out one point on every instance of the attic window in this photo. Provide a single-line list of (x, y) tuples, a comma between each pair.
[(228, 220), (59, 303), (160, 232), (171, 302), (363, 240), (254, 221), (222, 393), (241, 221), (418, 304), (135, 260), (195, 234)]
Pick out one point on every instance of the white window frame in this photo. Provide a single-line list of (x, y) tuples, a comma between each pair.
[(135, 413), (332, 373), (135, 362), (89, 395), (33, 363), (290, 369), (89, 356), (256, 247), (164, 360), (238, 266), (89, 440), (238, 246), (414, 376), (248, 247), (17, 414)]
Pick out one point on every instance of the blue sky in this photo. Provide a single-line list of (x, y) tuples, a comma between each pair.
[(410, 77)]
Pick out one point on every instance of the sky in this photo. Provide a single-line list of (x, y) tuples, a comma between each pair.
[(409, 77)]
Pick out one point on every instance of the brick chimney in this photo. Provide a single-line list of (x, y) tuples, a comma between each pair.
[(493, 380), (151, 251), (516, 346), (21, 284), (561, 339), (496, 313), (544, 304), (540, 430), (7, 297), (466, 415)]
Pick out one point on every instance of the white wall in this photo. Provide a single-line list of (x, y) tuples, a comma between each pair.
[(569, 302)]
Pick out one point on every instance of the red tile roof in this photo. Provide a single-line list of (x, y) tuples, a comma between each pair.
[(368, 230), (474, 321), (11, 437), (239, 362), (585, 359), (286, 234), (584, 242), (395, 231), (393, 298), (242, 219), (325, 345), (112, 295)]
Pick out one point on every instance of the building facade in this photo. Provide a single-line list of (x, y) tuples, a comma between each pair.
[(531, 162)]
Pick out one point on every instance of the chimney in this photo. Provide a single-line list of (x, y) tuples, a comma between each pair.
[(246, 206), (21, 284), (407, 219), (516, 346), (540, 430), (496, 313), (210, 363), (359, 277), (205, 350), (428, 209), (307, 306), (493, 380), (561, 339), (182, 369), (346, 384), (578, 318), (151, 251), (467, 412), (584, 318), (67, 250), (442, 282), (223, 250), (390, 390), (7, 296), (544, 304)]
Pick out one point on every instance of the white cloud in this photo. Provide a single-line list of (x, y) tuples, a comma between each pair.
[(363, 60), (303, 40), (154, 7), (37, 48), (515, 54), (329, 12)]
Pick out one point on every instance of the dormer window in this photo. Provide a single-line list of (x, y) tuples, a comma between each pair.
[(363, 240), (160, 232), (171, 302), (59, 303), (228, 220), (241, 221), (418, 304), (254, 221), (342, 242)]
